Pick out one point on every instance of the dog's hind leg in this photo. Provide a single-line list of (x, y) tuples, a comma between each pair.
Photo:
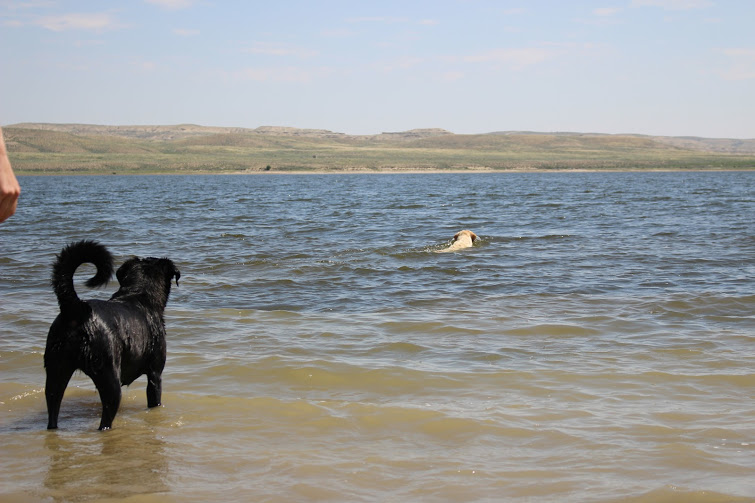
[(55, 387), (154, 389), (109, 386)]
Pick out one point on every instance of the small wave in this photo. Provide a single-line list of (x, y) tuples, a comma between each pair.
[(397, 348), (323, 416), (554, 330), (721, 306), (666, 234), (407, 207), (673, 493), (545, 237), (371, 376)]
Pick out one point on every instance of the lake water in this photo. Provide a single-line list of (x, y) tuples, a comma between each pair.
[(596, 344)]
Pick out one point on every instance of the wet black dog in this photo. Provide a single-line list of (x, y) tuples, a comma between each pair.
[(115, 341)]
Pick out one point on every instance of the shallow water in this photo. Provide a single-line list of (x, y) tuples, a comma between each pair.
[(595, 344)]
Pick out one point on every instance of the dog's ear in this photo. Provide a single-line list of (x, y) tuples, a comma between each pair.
[(474, 236), (124, 269), (170, 269), (456, 236)]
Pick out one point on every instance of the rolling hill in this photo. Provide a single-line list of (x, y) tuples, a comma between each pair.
[(81, 148)]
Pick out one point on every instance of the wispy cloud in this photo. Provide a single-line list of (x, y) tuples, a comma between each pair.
[(377, 19), (516, 58), (185, 32), (271, 49), (97, 22), (172, 4), (603, 16), (291, 74), (143, 66), (452, 76), (741, 64), (739, 51), (607, 11), (28, 4), (673, 4), (520, 58), (339, 33), (400, 64), (88, 43), (392, 20)]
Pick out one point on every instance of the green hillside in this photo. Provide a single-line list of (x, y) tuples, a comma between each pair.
[(84, 149)]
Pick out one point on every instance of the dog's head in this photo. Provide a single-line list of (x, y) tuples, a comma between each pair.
[(149, 277), (461, 234)]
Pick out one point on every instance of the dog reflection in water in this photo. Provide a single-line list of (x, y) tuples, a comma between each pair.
[(462, 239), (115, 341)]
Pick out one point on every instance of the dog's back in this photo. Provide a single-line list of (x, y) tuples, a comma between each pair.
[(462, 239), (65, 338)]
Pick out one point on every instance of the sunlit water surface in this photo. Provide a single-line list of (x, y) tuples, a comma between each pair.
[(595, 345)]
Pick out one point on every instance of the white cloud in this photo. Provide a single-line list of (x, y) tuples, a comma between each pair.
[(377, 19), (741, 64), (517, 58), (603, 16), (29, 4), (88, 43), (673, 4), (452, 76), (405, 63), (549, 53), (269, 49), (338, 33), (172, 4), (739, 51), (185, 32), (391, 20), (89, 22), (607, 11), (143, 66), (278, 74)]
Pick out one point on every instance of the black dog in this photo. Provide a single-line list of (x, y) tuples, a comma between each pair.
[(115, 341)]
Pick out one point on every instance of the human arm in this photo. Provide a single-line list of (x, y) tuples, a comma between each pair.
[(9, 187)]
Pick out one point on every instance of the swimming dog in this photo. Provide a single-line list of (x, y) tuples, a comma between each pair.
[(462, 239), (115, 341)]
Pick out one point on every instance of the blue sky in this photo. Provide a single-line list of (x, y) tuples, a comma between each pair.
[(661, 67)]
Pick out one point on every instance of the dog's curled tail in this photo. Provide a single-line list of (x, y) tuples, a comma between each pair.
[(65, 266)]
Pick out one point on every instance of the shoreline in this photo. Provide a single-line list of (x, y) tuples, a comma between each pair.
[(392, 171)]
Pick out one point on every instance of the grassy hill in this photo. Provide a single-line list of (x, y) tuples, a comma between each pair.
[(92, 149)]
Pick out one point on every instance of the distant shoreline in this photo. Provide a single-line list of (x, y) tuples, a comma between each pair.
[(391, 172), (101, 150)]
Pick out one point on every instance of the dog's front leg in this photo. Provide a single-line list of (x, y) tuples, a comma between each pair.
[(154, 389), (109, 386)]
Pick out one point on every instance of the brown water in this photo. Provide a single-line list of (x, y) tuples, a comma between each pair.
[(596, 345)]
